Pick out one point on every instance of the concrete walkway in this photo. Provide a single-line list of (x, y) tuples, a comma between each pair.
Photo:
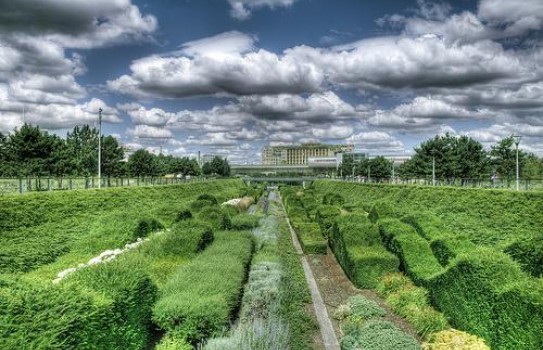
[(327, 330)]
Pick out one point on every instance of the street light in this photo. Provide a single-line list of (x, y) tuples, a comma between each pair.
[(99, 147), (516, 139)]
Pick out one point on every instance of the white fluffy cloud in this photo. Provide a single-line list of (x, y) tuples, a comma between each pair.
[(241, 9), (36, 73), (213, 72), (377, 142), (151, 132), (518, 16)]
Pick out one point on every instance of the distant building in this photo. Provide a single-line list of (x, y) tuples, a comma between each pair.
[(300, 154), (207, 158)]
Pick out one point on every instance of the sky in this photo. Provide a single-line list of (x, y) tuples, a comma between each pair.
[(228, 77)]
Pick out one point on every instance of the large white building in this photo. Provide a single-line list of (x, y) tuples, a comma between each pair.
[(300, 154)]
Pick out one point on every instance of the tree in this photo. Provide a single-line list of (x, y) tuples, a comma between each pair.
[(455, 157), (142, 163), (112, 156), (83, 150), (346, 166), (504, 158), (381, 168), (218, 166), (30, 151)]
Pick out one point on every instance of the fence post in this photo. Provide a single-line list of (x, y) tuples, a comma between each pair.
[(21, 186), (48, 184)]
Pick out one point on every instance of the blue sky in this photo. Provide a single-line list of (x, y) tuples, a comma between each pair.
[(230, 76)]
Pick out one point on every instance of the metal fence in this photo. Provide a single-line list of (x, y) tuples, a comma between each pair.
[(524, 184), (24, 185)]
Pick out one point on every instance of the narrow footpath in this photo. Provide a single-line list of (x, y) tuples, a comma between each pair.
[(328, 334)]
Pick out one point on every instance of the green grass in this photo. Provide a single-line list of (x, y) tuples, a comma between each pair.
[(198, 300)]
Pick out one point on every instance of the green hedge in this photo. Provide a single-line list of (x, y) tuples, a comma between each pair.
[(310, 236), (103, 307), (528, 252), (326, 215), (486, 294), (198, 300), (447, 247), (416, 257), (357, 246)]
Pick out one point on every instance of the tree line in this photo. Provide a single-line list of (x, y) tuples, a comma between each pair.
[(32, 152), (452, 158)]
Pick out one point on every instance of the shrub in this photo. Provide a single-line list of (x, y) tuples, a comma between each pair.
[(332, 198), (197, 205), (245, 222), (183, 215), (447, 247), (379, 335), (103, 307), (207, 197), (412, 303), (146, 226), (172, 341), (391, 283), (364, 308), (452, 339)]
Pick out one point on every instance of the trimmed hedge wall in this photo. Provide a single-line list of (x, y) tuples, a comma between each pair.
[(486, 294), (103, 307), (416, 257), (357, 246)]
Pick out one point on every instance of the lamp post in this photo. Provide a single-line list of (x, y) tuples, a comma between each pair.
[(433, 167), (100, 148), (516, 139), (369, 173)]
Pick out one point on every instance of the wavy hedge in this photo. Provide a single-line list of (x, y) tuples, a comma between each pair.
[(357, 246), (452, 241)]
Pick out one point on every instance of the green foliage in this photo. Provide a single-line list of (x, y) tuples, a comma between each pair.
[(199, 204), (244, 222), (208, 197), (364, 309), (331, 198), (486, 294), (103, 307), (199, 298), (528, 252), (218, 166), (379, 335), (412, 303), (416, 257), (454, 156), (295, 295), (357, 245), (173, 341), (453, 339), (146, 226), (326, 215), (310, 237), (183, 215)]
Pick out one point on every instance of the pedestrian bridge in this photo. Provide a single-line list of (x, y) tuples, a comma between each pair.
[(302, 180)]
